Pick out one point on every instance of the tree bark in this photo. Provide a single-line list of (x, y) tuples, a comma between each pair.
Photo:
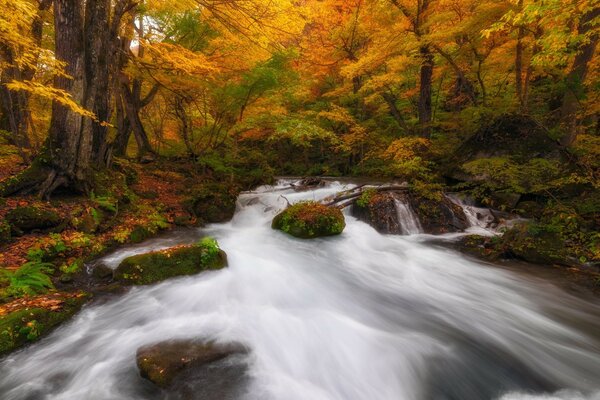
[(425, 84), (76, 145), (576, 77)]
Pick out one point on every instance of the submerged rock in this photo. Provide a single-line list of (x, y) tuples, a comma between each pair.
[(163, 362), (29, 218), (308, 220), (157, 266)]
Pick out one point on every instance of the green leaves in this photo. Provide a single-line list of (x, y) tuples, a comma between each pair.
[(30, 279)]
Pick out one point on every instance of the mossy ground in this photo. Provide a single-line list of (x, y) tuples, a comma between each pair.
[(19, 326), (309, 220), (117, 212)]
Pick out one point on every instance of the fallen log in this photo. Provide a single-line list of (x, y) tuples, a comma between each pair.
[(348, 197)]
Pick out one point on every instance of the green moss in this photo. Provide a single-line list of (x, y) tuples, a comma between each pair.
[(24, 326), (4, 232), (365, 198), (139, 234), (213, 202), (309, 220), (157, 266), (25, 219)]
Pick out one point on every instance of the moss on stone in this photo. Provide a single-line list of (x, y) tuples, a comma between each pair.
[(4, 231), (309, 220), (536, 244), (212, 203), (28, 218), (157, 266), (28, 325)]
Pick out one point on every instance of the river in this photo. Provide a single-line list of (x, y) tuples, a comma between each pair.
[(359, 316)]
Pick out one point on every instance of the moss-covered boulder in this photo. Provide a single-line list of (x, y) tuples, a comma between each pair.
[(29, 218), (309, 220), (439, 214), (157, 266), (162, 362), (212, 203), (28, 325), (536, 244), (4, 231), (379, 211)]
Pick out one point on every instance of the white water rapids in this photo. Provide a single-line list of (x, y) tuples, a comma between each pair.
[(359, 316)]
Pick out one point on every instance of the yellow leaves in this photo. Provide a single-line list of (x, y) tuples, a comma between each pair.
[(179, 60), (407, 148), (53, 94)]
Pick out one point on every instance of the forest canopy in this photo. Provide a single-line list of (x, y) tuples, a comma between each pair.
[(360, 87)]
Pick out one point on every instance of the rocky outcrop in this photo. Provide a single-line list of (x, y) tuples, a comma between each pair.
[(30, 218), (157, 266), (163, 362), (381, 210), (212, 203), (309, 220)]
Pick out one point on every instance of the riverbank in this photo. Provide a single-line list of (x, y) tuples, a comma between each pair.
[(45, 244)]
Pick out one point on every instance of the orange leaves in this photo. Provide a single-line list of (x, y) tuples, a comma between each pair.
[(407, 148)]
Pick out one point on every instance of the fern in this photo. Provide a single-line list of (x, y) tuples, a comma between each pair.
[(105, 202), (31, 278)]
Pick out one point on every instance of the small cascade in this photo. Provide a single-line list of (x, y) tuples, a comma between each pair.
[(478, 217), (407, 219)]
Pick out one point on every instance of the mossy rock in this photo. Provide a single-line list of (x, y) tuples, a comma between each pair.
[(212, 203), (536, 244), (28, 325), (139, 234), (29, 218), (4, 232), (439, 216), (379, 211), (162, 362), (308, 220), (144, 269)]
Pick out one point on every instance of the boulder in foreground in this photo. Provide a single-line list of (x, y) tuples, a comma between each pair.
[(162, 362), (308, 220), (157, 266)]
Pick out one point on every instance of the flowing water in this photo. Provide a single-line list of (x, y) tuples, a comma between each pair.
[(358, 316), (409, 223)]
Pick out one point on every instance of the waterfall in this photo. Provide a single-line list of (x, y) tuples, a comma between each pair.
[(408, 220), (479, 218)]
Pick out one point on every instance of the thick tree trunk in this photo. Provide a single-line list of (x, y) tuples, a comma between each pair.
[(76, 144), (424, 109), (576, 77)]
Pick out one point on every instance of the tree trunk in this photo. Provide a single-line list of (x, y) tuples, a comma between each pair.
[(425, 91), (76, 144), (15, 104), (390, 100), (576, 77)]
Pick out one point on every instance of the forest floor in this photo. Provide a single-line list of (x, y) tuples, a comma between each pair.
[(134, 203)]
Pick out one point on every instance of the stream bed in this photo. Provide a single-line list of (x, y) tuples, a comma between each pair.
[(358, 316)]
